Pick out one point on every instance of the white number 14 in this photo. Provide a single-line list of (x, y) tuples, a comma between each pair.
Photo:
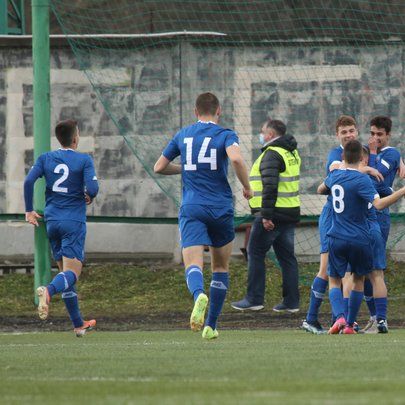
[(202, 155)]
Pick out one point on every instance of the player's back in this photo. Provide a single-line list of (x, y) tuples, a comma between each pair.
[(65, 172), (202, 148), (351, 193)]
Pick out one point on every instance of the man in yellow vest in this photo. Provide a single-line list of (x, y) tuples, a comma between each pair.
[(274, 179)]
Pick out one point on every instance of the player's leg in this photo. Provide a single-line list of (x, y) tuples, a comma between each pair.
[(360, 259), (54, 237), (194, 237), (380, 299), (375, 280), (337, 269), (72, 235), (73, 257), (283, 246), (347, 287), (355, 300), (318, 290), (193, 263), (369, 298), (222, 233), (320, 283), (218, 288), (260, 242), (336, 302)]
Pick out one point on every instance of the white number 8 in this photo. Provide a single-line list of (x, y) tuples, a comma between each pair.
[(338, 193), (61, 168)]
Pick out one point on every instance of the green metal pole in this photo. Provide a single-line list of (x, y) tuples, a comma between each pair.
[(22, 15), (3, 17), (42, 128)]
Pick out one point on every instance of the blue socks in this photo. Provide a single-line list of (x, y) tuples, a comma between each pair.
[(218, 289), (336, 301), (381, 308), (356, 297), (368, 296), (71, 301), (318, 289), (194, 280), (62, 282), (346, 306)]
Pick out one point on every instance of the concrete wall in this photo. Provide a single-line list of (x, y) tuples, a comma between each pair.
[(149, 94)]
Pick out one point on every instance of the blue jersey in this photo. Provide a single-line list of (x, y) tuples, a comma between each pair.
[(351, 193), (68, 175), (335, 155), (387, 163), (202, 149)]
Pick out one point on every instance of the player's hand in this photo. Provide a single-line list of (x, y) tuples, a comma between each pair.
[(248, 193), (88, 199), (32, 218), (268, 224), (372, 144), (335, 166), (401, 170), (375, 173)]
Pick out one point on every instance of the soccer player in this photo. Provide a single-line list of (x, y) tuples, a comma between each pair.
[(387, 161), (206, 212), (71, 183), (346, 130), (376, 277), (349, 240)]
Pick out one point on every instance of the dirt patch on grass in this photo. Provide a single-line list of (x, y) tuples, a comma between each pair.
[(171, 321)]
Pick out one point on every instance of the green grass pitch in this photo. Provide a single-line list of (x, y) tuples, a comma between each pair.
[(178, 367)]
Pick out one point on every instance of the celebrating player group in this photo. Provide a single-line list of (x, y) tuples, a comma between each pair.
[(354, 224), (354, 227)]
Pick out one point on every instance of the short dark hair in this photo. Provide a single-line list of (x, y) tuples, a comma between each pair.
[(382, 122), (345, 121), (277, 126), (65, 132), (207, 104), (353, 152)]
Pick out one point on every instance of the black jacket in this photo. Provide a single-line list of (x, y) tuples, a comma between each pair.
[(271, 166)]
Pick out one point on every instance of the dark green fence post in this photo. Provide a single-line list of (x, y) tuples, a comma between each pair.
[(42, 128)]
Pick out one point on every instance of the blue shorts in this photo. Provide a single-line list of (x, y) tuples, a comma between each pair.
[(378, 246), (66, 239), (203, 225), (325, 223), (343, 253), (383, 218)]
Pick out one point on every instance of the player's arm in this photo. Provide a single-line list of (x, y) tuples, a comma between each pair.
[(401, 170), (336, 165), (381, 203), (35, 173), (371, 171), (90, 181), (240, 168), (164, 166), (323, 189)]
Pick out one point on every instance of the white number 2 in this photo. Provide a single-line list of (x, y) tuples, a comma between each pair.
[(202, 155), (338, 193), (60, 168)]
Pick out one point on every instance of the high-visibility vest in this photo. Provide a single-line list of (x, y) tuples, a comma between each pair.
[(288, 183)]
